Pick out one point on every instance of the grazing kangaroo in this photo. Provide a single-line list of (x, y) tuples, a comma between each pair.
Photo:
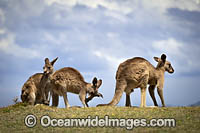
[(68, 79), (31, 90), (138, 73)]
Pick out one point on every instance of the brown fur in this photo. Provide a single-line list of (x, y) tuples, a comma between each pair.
[(138, 73), (31, 90)]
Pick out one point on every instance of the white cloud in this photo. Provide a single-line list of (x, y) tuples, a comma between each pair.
[(137, 12), (2, 16), (183, 56), (170, 46), (54, 39), (162, 6), (2, 31), (110, 5), (112, 61), (8, 46), (62, 2), (127, 7), (112, 35), (116, 15)]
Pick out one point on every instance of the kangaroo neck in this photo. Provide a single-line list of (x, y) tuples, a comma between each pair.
[(160, 67), (160, 70), (50, 76), (156, 71)]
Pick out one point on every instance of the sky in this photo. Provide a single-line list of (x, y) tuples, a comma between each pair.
[(94, 37)]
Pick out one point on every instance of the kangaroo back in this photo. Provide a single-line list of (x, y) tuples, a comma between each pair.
[(69, 78)]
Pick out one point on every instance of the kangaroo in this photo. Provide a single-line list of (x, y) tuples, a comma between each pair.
[(68, 79), (31, 90), (45, 82), (138, 73)]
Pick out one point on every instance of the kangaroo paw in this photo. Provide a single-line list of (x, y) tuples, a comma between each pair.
[(46, 103), (99, 95)]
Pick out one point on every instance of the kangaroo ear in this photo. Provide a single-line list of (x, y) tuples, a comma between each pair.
[(94, 82), (53, 61), (156, 59), (46, 60), (99, 83), (163, 57)]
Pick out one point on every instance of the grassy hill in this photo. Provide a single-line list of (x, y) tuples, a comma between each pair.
[(12, 118)]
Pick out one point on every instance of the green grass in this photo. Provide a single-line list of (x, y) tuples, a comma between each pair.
[(12, 118)]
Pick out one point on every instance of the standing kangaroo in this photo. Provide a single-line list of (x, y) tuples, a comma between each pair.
[(68, 79), (46, 86), (138, 73)]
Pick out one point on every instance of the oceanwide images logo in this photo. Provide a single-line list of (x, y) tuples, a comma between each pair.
[(130, 123)]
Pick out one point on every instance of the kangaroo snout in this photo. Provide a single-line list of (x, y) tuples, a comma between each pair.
[(24, 97), (171, 70)]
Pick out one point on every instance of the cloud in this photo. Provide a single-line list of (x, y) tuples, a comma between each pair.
[(184, 56), (76, 24), (8, 46), (114, 9), (170, 46), (116, 15), (110, 5), (57, 40), (62, 2), (127, 7), (34, 8), (189, 5), (2, 31), (2, 16), (111, 60), (2, 21)]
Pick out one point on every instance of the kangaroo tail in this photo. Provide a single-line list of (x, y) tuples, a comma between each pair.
[(120, 87)]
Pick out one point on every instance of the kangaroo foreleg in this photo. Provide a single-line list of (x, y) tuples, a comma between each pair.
[(160, 93), (151, 92)]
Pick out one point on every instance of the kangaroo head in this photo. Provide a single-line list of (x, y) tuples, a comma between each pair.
[(94, 86), (28, 92), (48, 67), (163, 63)]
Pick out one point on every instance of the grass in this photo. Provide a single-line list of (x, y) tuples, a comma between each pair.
[(12, 118)]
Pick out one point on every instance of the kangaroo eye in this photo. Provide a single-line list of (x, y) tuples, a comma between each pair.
[(169, 65)]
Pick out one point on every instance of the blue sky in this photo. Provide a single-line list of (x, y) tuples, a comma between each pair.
[(94, 36)]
